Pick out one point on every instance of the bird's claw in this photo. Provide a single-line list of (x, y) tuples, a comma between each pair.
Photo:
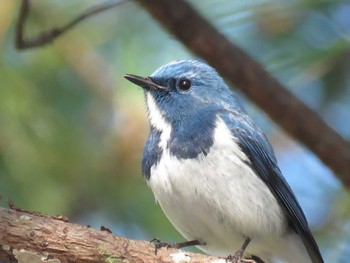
[(233, 259), (159, 244), (237, 257)]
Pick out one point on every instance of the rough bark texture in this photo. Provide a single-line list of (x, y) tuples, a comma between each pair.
[(29, 237), (197, 34)]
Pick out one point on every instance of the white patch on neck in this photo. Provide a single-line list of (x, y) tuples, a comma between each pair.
[(224, 137), (157, 121)]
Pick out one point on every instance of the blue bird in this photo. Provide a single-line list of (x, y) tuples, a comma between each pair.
[(214, 173)]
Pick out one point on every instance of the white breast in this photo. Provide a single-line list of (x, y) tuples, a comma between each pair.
[(216, 198)]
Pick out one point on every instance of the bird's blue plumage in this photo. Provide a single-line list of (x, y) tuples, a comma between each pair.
[(192, 125), (192, 137), (190, 108), (152, 153), (254, 143)]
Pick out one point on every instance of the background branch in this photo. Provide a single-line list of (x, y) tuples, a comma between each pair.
[(235, 65), (49, 36), (32, 237)]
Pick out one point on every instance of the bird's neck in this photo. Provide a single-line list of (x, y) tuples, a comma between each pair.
[(187, 137), (184, 135)]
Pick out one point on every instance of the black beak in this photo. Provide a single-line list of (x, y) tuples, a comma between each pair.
[(145, 83)]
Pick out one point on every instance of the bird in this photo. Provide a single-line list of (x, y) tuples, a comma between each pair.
[(214, 172)]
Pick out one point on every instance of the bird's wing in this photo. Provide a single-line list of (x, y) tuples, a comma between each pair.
[(256, 146)]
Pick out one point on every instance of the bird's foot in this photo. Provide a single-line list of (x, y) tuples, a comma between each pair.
[(159, 244), (239, 259), (236, 258)]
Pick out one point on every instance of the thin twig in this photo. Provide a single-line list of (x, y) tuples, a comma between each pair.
[(48, 36)]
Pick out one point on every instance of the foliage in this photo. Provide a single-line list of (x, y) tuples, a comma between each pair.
[(72, 130)]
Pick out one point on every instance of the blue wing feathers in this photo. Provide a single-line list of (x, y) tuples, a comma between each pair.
[(255, 145)]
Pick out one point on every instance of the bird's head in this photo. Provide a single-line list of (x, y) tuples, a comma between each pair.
[(182, 90)]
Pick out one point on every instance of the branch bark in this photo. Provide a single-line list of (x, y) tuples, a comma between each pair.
[(236, 66), (30, 237)]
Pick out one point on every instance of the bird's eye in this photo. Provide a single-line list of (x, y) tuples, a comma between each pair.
[(184, 84)]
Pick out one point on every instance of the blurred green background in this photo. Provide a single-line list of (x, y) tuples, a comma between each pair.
[(72, 129)]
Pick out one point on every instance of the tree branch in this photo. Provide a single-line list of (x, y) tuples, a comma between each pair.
[(33, 237), (197, 34), (49, 36), (235, 65)]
